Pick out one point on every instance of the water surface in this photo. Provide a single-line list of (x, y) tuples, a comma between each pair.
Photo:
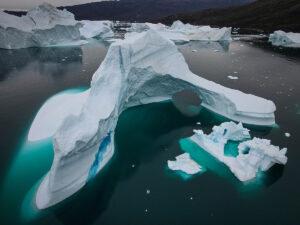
[(146, 137)]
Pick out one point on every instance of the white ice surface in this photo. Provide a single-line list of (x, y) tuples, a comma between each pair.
[(253, 155), (53, 112), (185, 164), (142, 69)]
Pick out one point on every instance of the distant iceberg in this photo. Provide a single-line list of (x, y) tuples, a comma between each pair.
[(185, 164), (181, 33), (281, 38), (253, 155), (101, 29), (46, 26), (142, 69)]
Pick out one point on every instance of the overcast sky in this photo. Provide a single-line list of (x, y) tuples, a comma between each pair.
[(28, 4)]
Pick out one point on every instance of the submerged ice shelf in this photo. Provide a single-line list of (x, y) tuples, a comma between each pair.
[(142, 69), (253, 155), (46, 26)]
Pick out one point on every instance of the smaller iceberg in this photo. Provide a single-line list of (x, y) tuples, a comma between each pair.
[(182, 33), (46, 26), (185, 164), (281, 38), (99, 29), (253, 155), (42, 26), (201, 33)]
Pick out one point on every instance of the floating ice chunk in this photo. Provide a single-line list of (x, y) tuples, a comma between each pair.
[(194, 50), (281, 38), (232, 77), (147, 191), (53, 112), (142, 69), (253, 155), (185, 164), (101, 29), (198, 123), (287, 134)]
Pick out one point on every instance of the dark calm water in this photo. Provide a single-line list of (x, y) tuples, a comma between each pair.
[(146, 137)]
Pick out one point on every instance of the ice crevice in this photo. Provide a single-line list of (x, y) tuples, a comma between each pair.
[(141, 69)]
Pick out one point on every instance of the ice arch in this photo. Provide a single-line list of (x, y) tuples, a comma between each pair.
[(142, 69)]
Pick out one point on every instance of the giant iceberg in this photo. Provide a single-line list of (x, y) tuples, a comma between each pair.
[(46, 26), (142, 69), (281, 38), (253, 155)]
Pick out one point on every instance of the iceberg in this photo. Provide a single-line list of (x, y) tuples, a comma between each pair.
[(253, 155), (281, 38), (185, 164), (42, 26), (100, 29), (46, 26), (202, 33), (182, 33), (142, 69)]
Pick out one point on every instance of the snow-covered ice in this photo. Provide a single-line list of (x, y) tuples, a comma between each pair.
[(46, 26), (185, 164), (281, 38), (253, 155), (142, 69)]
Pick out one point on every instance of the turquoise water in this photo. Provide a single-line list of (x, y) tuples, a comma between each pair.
[(145, 138)]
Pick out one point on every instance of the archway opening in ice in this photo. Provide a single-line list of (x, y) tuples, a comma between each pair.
[(187, 102)]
